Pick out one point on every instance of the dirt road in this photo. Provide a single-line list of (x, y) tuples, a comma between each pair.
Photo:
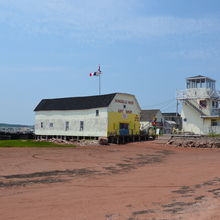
[(137, 181)]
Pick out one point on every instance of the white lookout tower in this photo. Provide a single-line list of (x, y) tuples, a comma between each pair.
[(200, 106)]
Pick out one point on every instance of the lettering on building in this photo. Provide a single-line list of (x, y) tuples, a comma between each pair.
[(124, 111), (124, 101)]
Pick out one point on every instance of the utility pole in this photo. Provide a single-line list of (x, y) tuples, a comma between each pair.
[(177, 107)]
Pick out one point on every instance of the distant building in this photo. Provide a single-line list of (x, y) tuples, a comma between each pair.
[(90, 116), (200, 106), (150, 115), (169, 126), (12, 129), (172, 120)]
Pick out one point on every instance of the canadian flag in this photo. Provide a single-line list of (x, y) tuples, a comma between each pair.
[(96, 73)]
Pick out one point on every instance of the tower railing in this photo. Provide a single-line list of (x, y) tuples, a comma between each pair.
[(216, 111), (197, 94)]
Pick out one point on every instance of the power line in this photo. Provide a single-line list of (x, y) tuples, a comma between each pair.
[(162, 103), (168, 105)]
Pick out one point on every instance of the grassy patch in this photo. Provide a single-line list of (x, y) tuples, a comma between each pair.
[(30, 143), (213, 135)]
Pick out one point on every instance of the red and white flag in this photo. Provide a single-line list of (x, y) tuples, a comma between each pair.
[(97, 73)]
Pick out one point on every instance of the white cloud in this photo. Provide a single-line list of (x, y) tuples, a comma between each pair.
[(97, 20)]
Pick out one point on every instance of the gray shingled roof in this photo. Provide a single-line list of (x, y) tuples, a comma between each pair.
[(148, 115), (199, 77), (170, 114), (75, 103)]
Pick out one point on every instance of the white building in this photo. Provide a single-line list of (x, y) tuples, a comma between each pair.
[(90, 116), (150, 116), (200, 106)]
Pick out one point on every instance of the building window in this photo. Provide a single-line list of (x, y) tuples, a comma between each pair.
[(188, 85), (214, 122), (203, 103), (67, 125), (124, 106), (42, 125), (214, 104), (51, 125), (81, 125), (97, 112)]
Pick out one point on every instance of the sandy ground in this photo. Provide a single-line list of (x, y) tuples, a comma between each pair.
[(137, 181)]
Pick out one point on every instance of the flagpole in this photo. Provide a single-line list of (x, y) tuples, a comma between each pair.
[(98, 73), (99, 84)]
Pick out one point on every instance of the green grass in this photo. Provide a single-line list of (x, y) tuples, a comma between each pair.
[(213, 135), (30, 143)]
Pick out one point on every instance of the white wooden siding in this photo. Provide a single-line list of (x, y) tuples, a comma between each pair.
[(93, 125), (194, 123), (116, 105)]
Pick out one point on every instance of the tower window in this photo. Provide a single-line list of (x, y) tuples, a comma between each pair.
[(203, 103), (188, 85), (214, 104), (214, 122)]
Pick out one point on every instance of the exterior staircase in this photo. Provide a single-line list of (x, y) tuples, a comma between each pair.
[(195, 106)]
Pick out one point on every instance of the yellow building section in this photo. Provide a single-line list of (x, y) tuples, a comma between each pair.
[(123, 124)]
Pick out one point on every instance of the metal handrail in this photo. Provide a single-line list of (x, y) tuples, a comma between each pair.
[(216, 111), (185, 94), (197, 106)]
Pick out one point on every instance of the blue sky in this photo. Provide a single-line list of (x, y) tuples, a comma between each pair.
[(145, 47)]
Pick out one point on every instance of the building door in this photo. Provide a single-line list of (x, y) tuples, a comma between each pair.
[(124, 129)]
